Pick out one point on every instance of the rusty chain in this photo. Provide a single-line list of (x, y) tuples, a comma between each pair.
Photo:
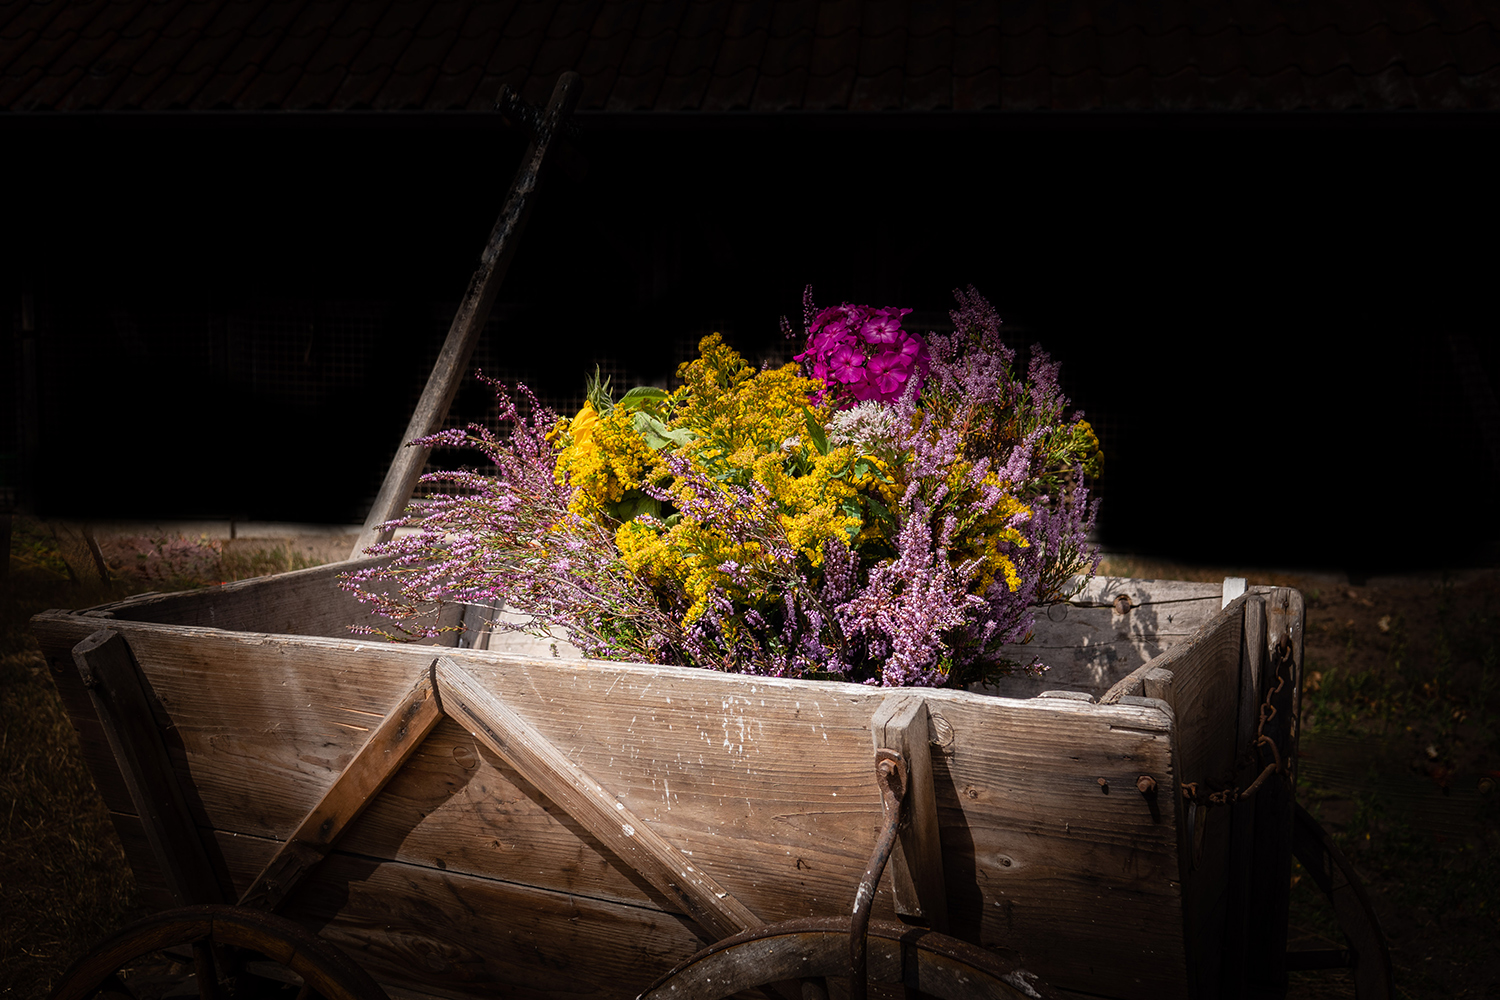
[(1282, 656)]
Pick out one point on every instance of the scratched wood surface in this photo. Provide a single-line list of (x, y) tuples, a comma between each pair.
[(1088, 643), (1112, 626), (1205, 697), (301, 602), (1048, 849)]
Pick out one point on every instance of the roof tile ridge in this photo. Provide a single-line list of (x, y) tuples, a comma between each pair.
[(1147, 32), (1283, 26), (394, 4), (370, 39), (57, 11), (912, 33), (545, 35), (16, 11), (458, 24), (171, 73), (1384, 23), (555, 12), (716, 32), (176, 8), (489, 74), (641, 12), (273, 39), (438, 62), (609, 77), (713, 64), (500, 36), (185, 31), (1451, 68), (302, 69), (1476, 26)]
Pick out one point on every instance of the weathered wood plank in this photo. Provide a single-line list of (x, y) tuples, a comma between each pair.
[(93, 744), (1204, 690), (301, 602), (766, 783), (468, 322), (447, 934), (1271, 850), (108, 671), (1108, 629), (1240, 887), (676, 877), (1031, 876), (1206, 687), (916, 867), (393, 741), (1088, 644)]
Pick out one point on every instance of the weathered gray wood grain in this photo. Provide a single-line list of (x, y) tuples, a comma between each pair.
[(767, 783), (1107, 629)]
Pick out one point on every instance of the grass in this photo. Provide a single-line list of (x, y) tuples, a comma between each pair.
[(1405, 673), (1409, 677), (64, 881)]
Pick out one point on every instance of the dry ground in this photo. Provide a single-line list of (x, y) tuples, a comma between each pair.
[(1401, 755)]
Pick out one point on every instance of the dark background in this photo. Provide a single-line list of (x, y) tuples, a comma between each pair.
[(1268, 319)]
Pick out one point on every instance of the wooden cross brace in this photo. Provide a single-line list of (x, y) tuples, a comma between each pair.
[(447, 689)]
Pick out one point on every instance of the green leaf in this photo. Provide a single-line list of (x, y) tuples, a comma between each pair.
[(881, 511), (596, 390), (656, 434), (633, 504), (642, 397), (815, 432)]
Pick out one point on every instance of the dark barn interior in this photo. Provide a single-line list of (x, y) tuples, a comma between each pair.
[(1257, 236), (1269, 293)]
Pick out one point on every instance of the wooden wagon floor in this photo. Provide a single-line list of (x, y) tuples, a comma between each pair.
[(1401, 758)]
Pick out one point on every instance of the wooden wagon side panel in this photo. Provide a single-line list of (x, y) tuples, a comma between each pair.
[(302, 602), (1050, 849), (1109, 628), (438, 933), (768, 784)]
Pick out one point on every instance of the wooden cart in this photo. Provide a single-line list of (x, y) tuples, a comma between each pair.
[(353, 818), (509, 819)]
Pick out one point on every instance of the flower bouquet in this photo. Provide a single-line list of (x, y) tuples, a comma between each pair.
[(887, 509)]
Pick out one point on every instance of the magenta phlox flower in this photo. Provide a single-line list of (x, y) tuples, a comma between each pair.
[(883, 326), (861, 353), (889, 372), (848, 365)]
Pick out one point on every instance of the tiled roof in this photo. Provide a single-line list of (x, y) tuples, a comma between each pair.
[(751, 55)]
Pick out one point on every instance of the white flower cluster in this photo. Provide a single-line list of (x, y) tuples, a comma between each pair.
[(872, 427)]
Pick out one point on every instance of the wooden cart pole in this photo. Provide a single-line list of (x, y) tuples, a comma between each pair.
[(463, 334)]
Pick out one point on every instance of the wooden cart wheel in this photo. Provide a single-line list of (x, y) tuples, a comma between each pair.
[(933, 964), (236, 952), (1368, 954)]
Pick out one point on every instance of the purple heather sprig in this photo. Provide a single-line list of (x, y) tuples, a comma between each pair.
[(511, 540), (965, 506)]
